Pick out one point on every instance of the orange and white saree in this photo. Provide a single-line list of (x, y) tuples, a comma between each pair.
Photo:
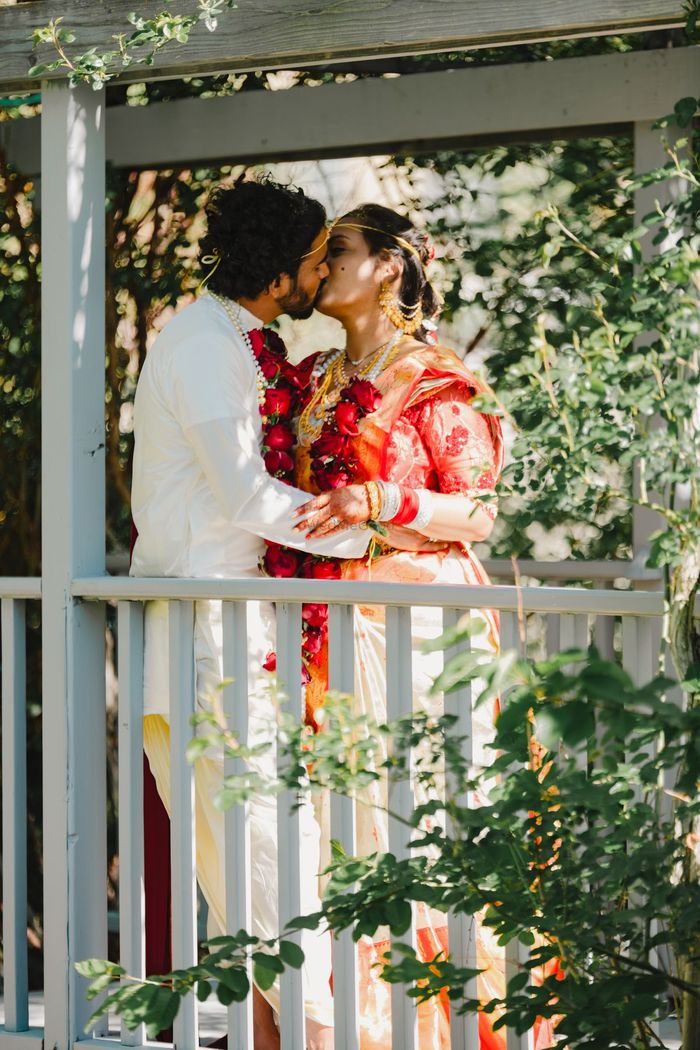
[(425, 434)]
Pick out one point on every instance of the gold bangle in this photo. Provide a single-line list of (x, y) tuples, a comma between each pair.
[(373, 499)]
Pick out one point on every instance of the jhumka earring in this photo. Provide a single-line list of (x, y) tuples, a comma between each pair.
[(406, 318)]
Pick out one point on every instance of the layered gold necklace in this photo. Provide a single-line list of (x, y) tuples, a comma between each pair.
[(335, 380)]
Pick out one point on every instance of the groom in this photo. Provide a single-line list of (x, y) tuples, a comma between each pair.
[(202, 502)]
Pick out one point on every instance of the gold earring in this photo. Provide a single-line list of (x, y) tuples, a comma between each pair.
[(407, 318)]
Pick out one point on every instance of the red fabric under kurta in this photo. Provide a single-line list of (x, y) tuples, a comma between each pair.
[(156, 843)]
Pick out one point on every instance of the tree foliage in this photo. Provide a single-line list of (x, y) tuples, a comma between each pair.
[(579, 863)]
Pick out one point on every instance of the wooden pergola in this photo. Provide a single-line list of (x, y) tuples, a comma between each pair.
[(68, 148)]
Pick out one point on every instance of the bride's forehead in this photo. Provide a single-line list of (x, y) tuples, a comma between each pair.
[(345, 235)]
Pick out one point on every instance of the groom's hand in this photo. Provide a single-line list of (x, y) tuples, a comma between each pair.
[(333, 511)]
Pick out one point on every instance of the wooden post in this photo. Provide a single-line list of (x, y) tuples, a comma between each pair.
[(648, 154), (73, 501)]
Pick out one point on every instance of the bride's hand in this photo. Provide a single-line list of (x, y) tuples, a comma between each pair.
[(410, 540), (333, 511)]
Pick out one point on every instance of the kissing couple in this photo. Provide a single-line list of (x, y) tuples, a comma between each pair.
[(245, 463)]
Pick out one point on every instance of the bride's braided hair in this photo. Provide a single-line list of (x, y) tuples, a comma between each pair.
[(386, 231)]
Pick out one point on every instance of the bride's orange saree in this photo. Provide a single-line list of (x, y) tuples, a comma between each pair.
[(425, 434)]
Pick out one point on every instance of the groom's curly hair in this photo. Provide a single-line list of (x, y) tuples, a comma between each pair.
[(258, 230)]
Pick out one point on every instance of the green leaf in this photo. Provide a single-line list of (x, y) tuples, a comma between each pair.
[(98, 967), (691, 683), (268, 962), (685, 110), (162, 1011), (291, 954), (263, 977), (203, 990), (306, 922), (398, 916), (226, 995), (571, 723), (236, 979)]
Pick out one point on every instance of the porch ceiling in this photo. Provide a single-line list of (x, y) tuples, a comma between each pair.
[(428, 110), (291, 33)]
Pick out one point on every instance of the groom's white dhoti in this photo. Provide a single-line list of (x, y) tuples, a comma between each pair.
[(202, 501)]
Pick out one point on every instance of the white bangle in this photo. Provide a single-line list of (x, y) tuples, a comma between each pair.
[(391, 498), (425, 510)]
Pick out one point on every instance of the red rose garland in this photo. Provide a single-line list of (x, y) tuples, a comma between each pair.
[(332, 466), (281, 397), (332, 462)]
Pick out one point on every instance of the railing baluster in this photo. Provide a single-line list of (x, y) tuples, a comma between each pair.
[(293, 1022), (630, 647), (236, 819), (341, 667), (574, 635), (461, 928), (509, 632), (604, 633), (14, 815), (641, 639), (516, 956), (399, 702), (132, 947), (574, 632), (552, 633), (182, 811), (515, 953)]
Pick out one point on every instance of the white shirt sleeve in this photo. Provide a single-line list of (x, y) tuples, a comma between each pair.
[(227, 450), (215, 402)]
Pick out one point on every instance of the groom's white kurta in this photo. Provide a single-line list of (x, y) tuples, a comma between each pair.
[(201, 498), (202, 502)]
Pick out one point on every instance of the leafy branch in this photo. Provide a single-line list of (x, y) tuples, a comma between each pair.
[(149, 36), (225, 970), (575, 863)]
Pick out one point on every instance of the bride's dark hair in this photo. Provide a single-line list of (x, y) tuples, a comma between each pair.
[(380, 227)]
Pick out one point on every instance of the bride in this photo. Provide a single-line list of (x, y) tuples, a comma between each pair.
[(390, 418)]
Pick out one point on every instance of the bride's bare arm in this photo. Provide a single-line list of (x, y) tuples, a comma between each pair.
[(455, 517)]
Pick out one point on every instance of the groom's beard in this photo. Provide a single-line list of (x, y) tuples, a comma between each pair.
[(299, 304)]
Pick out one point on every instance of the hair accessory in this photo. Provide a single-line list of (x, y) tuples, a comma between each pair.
[(321, 245), (375, 229), (214, 261), (407, 319)]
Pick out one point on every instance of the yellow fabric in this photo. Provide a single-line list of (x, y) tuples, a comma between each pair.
[(208, 772), (371, 821)]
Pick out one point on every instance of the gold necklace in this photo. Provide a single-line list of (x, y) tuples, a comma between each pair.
[(370, 359), (310, 421), (322, 401)]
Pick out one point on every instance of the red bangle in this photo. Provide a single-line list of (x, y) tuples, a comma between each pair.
[(408, 507)]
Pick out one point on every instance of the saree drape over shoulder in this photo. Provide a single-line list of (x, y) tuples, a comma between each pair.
[(425, 434)]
